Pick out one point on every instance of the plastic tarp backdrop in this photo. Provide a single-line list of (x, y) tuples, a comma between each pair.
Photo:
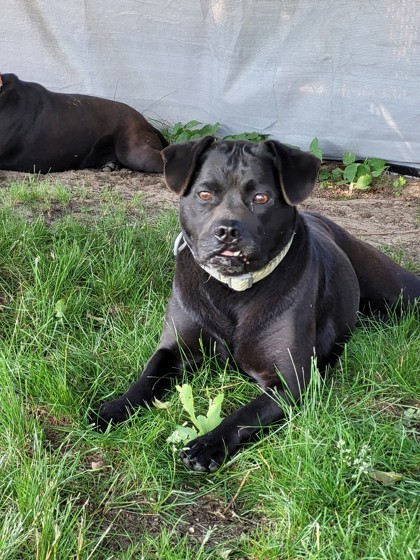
[(346, 72)]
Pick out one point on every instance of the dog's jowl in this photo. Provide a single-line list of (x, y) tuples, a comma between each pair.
[(42, 131), (258, 279)]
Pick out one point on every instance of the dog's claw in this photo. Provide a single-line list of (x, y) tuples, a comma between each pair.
[(202, 454)]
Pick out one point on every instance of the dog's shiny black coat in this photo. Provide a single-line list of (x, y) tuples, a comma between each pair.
[(42, 131), (238, 210)]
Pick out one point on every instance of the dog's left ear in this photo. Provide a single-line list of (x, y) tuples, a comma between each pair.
[(180, 161), (297, 171)]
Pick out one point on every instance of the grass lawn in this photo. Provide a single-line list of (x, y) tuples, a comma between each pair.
[(81, 307)]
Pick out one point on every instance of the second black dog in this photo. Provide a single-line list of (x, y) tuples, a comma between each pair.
[(43, 131)]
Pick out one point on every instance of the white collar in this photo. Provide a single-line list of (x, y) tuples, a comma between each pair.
[(240, 282)]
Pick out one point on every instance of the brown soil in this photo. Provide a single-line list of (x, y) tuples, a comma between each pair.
[(385, 216)]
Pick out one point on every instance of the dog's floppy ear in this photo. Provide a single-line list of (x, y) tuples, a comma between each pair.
[(297, 171), (180, 162)]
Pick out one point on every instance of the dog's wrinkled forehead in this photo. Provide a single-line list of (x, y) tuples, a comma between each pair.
[(236, 161)]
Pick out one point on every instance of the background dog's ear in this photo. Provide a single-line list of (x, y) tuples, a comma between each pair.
[(298, 171), (180, 162)]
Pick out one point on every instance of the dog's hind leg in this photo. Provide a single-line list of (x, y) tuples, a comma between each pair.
[(140, 152), (384, 284)]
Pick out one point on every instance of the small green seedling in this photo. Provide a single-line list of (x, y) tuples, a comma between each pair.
[(202, 424), (398, 185)]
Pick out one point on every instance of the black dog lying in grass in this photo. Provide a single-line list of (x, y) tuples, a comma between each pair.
[(271, 286), (42, 131)]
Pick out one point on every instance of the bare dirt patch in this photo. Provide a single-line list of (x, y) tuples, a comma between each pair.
[(379, 217), (209, 522)]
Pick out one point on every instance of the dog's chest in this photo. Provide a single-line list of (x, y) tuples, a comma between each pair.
[(228, 318)]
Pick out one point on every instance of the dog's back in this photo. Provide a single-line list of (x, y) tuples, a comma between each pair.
[(383, 283)]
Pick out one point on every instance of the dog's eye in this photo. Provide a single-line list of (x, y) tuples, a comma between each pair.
[(205, 195), (261, 198)]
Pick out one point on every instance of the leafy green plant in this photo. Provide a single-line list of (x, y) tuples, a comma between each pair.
[(250, 136), (202, 424), (192, 130), (358, 175)]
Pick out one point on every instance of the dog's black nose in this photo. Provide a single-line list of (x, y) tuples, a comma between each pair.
[(227, 232)]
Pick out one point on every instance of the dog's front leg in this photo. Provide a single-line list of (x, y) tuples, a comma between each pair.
[(180, 342), (206, 453), (164, 365)]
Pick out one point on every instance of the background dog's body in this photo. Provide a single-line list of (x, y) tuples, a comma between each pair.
[(238, 217), (42, 131)]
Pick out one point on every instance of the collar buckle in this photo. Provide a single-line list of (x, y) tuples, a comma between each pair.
[(245, 281), (179, 244)]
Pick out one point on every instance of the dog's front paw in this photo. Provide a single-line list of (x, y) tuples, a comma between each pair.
[(111, 412), (205, 453)]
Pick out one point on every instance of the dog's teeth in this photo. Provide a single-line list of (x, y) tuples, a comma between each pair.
[(231, 253)]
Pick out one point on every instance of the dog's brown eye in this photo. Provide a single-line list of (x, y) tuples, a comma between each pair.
[(205, 195), (261, 198)]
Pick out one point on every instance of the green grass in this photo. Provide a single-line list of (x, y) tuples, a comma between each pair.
[(81, 308)]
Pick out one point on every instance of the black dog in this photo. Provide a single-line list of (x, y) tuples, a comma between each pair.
[(42, 131), (272, 287)]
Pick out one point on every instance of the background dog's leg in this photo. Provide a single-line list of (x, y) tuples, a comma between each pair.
[(142, 158), (140, 150)]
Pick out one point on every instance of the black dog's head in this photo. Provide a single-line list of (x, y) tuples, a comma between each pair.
[(237, 198)]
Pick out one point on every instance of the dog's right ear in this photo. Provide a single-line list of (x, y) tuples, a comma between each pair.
[(180, 162)]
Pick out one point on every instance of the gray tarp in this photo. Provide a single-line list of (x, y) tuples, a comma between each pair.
[(346, 72)]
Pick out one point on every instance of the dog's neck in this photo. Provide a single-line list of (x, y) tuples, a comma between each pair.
[(240, 282)]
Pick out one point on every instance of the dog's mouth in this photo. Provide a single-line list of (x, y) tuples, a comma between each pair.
[(229, 262), (235, 255)]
